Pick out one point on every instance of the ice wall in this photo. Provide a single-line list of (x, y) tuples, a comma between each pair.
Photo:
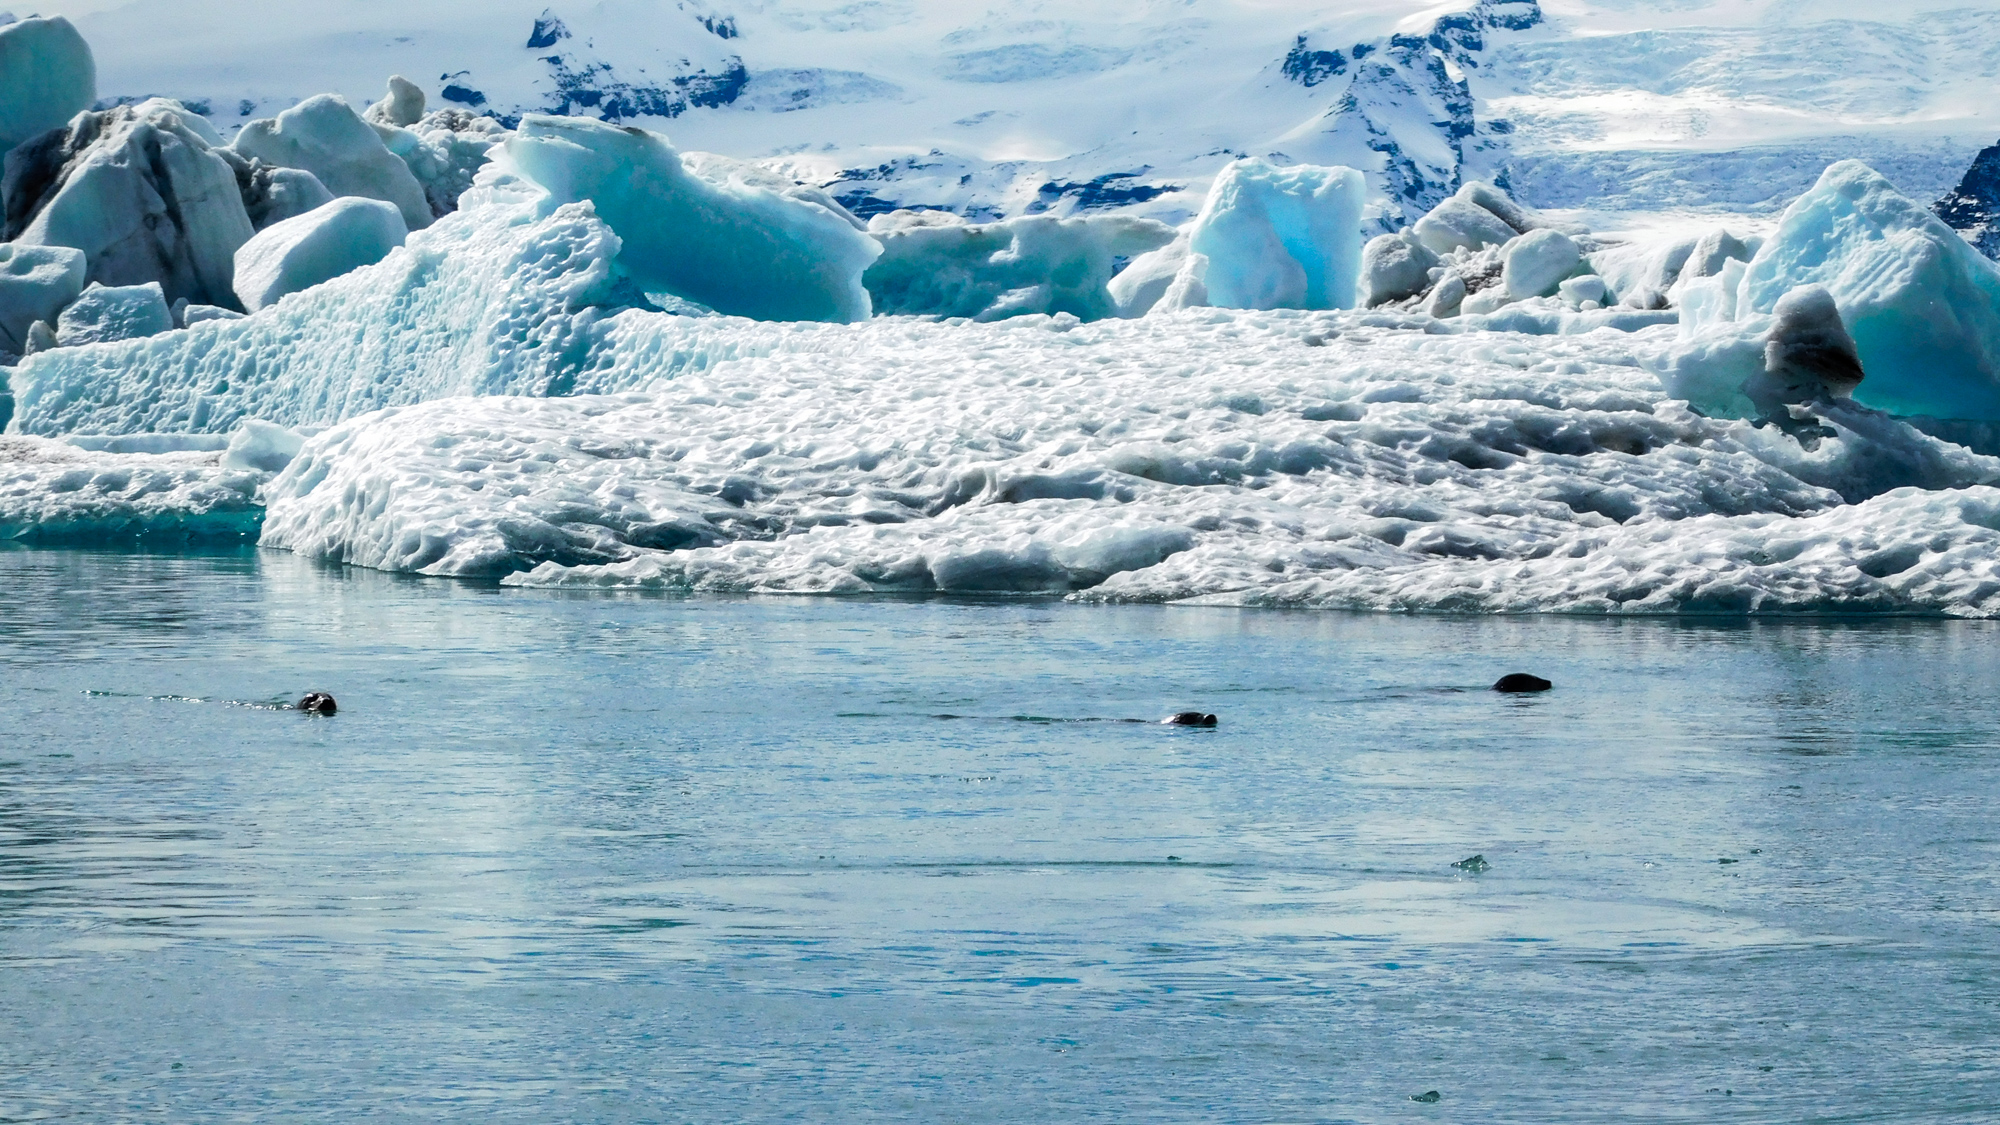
[(737, 248)]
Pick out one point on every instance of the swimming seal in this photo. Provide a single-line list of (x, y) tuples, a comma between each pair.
[(318, 703), (1188, 719), (1520, 683)]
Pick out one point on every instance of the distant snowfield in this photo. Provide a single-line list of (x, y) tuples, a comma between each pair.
[(1613, 106)]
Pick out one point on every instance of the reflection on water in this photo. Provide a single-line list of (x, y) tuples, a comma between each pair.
[(568, 857)]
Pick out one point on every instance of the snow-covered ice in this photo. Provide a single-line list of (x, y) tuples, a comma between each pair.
[(55, 492), (318, 246)]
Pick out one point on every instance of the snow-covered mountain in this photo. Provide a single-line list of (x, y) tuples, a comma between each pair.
[(1607, 105)]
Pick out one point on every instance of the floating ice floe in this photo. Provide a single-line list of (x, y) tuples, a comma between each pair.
[(1277, 458), (56, 492)]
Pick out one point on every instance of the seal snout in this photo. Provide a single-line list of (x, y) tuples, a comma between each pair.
[(318, 703), (1188, 719)]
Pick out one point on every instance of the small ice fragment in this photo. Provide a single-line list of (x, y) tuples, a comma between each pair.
[(1537, 262)]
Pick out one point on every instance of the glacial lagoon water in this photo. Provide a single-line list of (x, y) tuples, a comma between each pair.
[(570, 857)]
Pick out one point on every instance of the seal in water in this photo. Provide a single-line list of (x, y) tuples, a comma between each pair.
[(318, 703), (1188, 719), (1517, 683)]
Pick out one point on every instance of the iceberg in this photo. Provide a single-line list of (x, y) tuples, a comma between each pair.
[(318, 246), (104, 314), (1459, 223), (323, 135), (402, 106), (1270, 237), (47, 76), (1537, 262), (739, 249), (1395, 267), (495, 301), (272, 195), (56, 492), (36, 282), (1923, 306), (1146, 279), (1809, 354), (141, 191), (936, 263)]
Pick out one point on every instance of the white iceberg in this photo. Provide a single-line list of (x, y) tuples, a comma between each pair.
[(935, 263), (316, 247), (1395, 267), (47, 76), (36, 282), (1537, 262), (141, 191), (323, 135), (736, 248)]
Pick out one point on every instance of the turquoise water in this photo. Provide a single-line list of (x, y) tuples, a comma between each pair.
[(595, 858)]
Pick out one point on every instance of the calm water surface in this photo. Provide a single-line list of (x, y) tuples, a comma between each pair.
[(595, 858)]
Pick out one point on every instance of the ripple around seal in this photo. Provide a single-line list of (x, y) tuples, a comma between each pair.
[(577, 858)]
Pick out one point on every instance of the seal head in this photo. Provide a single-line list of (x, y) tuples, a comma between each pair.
[(1521, 683), (318, 703), (1189, 719)]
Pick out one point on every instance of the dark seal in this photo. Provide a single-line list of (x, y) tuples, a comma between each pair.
[(1189, 719), (318, 703), (1519, 683)]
